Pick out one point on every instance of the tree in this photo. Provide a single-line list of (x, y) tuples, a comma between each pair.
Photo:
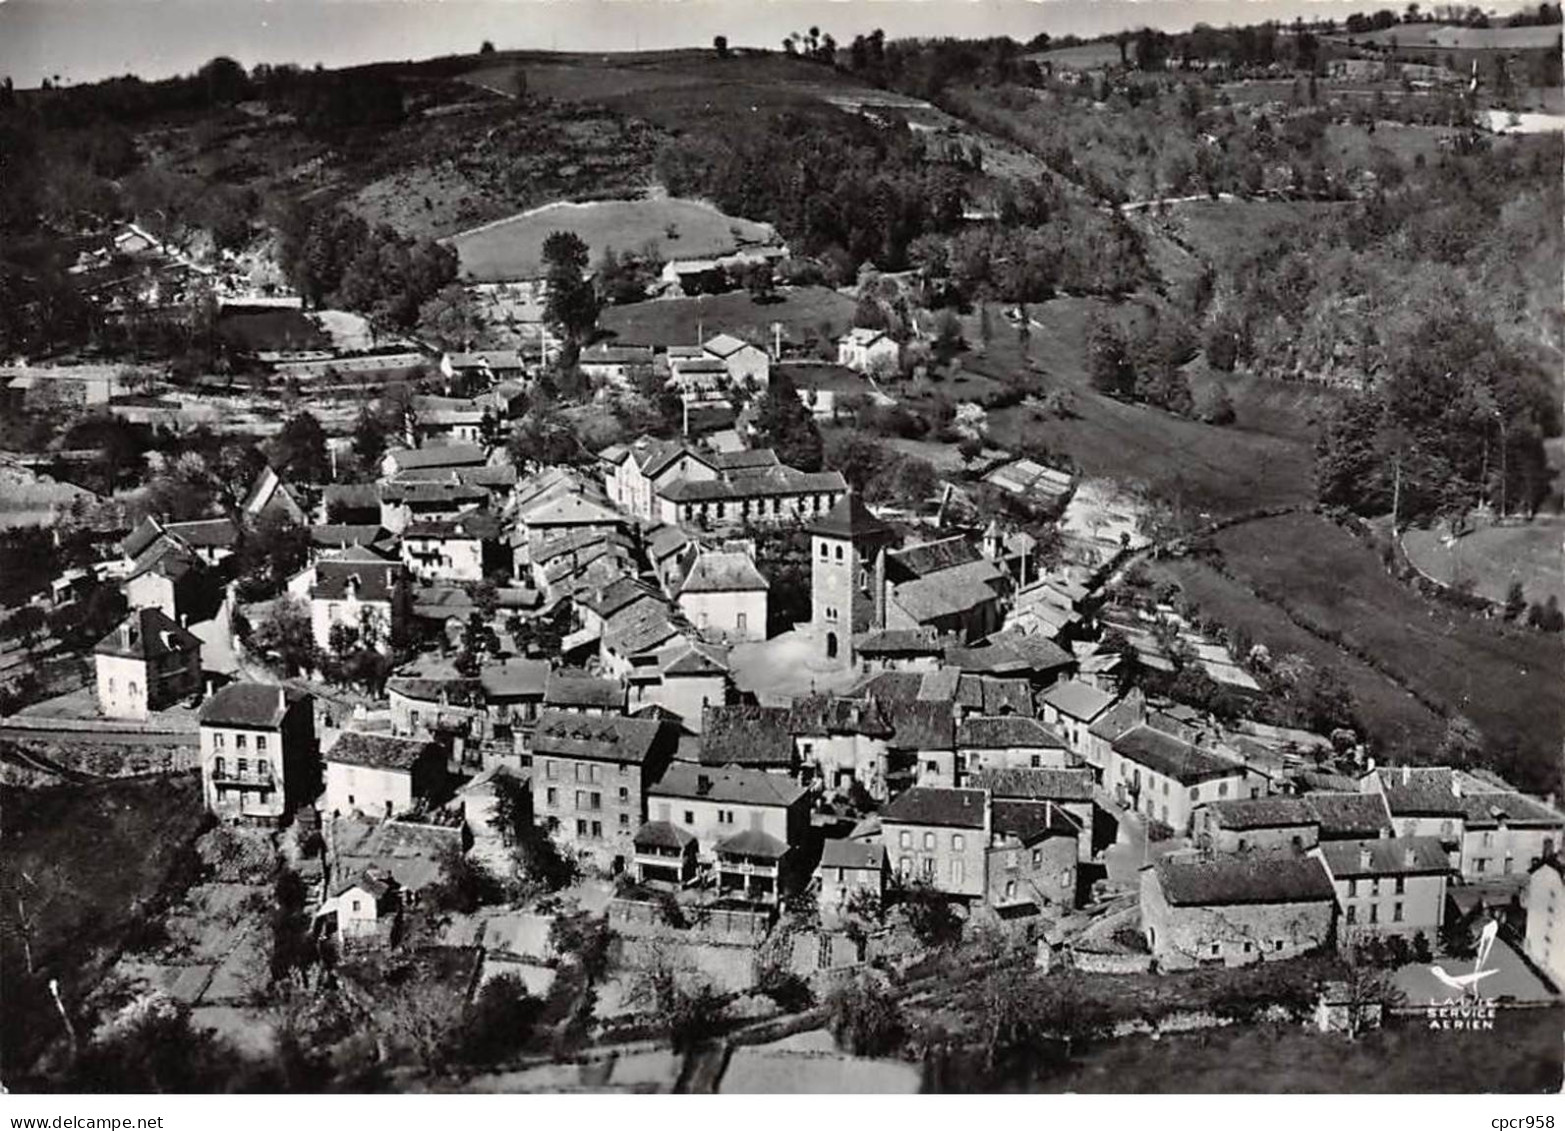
[(930, 916), (369, 439), (1547, 617), (1462, 744), (758, 279), (1515, 601), (1108, 360), (487, 48), (270, 552), (864, 1019), (784, 424), (499, 1022), (720, 45), (465, 884), (28, 624), (451, 319), (571, 307), (299, 450), (288, 636)]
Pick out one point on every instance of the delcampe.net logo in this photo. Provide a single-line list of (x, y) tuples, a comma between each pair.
[(1468, 1008)]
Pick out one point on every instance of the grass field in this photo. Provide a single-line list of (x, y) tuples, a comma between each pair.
[(668, 228), (1506, 680), (682, 321), (1493, 557), (1397, 723), (1521, 1055), (84, 860)]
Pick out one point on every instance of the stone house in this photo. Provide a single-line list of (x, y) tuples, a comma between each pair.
[(1068, 791), (361, 908), (867, 351), (1388, 885), (1007, 742), (922, 747), (381, 775), (939, 837), (146, 663), (258, 753), (1071, 708), (1232, 910), (724, 595), (1032, 858), (745, 363), (355, 589), (841, 742), (465, 548), (1259, 824), (1165, 778), (848, 867)]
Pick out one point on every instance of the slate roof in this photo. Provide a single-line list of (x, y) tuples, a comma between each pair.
[(351, 496), (898, 642), (728, 784), (604, 354), (565, 689), (998, 732), (1039, 652), (1173, 757), (1261, 813), (721, 571), (745, 459), (931, 557), (1349, 814), (1251, 877), (724, 345), (147, 531), (745, 735), (147, 634), (572, 510), (850, 518), (925, 805), (1387, 856), (753, 842), (166, 556), (692, 658), (1024, 784), (475, 526), (662, 834), (922, 726), (949, 592), (1487, 810), (611, 738), (437, 455), (778, 480), (861, 855), (1002, 695), (1124, 716), (217, 533), (258, 706), (892, 687), (375, 577), (339, 535), (1079, 700), (380, 751), (513, 678), (827, 714), (1029, 822), (1419, 791)]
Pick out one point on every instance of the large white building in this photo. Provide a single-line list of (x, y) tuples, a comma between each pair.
[(1546, 917), (147, 662)]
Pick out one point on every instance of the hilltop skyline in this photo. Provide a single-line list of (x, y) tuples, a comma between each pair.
[(88, 40)]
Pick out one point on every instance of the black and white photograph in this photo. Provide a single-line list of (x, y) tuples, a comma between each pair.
[(782, 547)]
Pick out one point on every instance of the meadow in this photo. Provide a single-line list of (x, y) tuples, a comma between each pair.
[(802, 311), (666, 228), (1493, 557)]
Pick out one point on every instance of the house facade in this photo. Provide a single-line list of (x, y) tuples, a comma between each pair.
[(715, 804), (1007, 742), (1165, 778), (867, 351), (146, 663), (1545, 940), (258, 755), (354, 589), (381, 775), (1260, 824), (1388, 886), (848, 868), (1033, 852), (939, 837), (725, 596)]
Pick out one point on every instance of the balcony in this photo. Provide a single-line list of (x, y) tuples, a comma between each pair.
[(230, 780)]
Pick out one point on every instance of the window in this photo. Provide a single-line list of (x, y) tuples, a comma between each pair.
[(1353, 887), (581, 799), (929, 868), (624, 820), (1010, 889), (551, 797), (1035, 761), (624, 794), (1374, 886), (1195, 794), (593, 772), (958, 871), (219, 739), (624, 768), (111, 685), (838, 554), (1248, 947), (597, 829), (355, 905), (824, 550), (1488, 839), (548, 768), (134, 689), (1216, 950), (1480, 864), (1222, 789), (1276, 944), (1396, 912), (581, 828), (932, 767), (260, 743), (905, 839), (740, 624), (244, 767), (957, 843), (241, 741), (929, 842), (217, 767), (595, 800), (1353, 913), (1165, 789), (690, 818), (725, 816), (1401, 885), (1013, 859), (263, 768), (905, 865), (1374, 912)]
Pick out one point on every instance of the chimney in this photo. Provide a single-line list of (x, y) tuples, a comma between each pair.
[(1364, 856), (879, 605), (703, 784), (1409, 856), (184, 620), (1407, 774), (1456, 785), (282, 699)]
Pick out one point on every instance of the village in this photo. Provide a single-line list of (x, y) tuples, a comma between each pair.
[(519, 590)]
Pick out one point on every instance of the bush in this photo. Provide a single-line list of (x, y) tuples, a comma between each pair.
[(930, 916), (500, 1021), (865, 1019), (791, 992)]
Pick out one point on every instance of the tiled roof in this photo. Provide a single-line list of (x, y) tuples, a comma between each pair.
[(1029, 822), (565, 689), (863, 855), (931, 557), (1172, 757), (1488, 810), (850, 518), (922, 726), (779, 480), (753, 842), (1007, 695), (611, 738), (206, 532), (898, 642), (1124, 716), (1080, 701), (147, 634), (355, 569), (745, 735), (1251, 877), (254, 705), (514, 678), (949, 592), (998, 732), (1025, 784), (826, 714), (1349, 814), (924, 805), (723, 572), (728, 784), (1261, 813), (661, 834), (1385, 856), (380, 751), (444, 455)]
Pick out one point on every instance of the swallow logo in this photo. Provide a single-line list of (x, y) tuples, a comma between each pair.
[(1467, 1009)]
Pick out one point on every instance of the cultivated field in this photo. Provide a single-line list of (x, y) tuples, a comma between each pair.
[(803, 312), (1506, 680), (666, 229), (1493, 557)]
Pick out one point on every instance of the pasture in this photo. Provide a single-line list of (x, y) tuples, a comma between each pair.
[(1505, 679), (1491, 558), (804, 313), (668, 228)]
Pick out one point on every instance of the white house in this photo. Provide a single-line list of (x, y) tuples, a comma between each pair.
[(746, 364), (258, 756), (354, 589), (147, 662), (867, 350), (725, 596), (1546, 917), (380, 775)]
